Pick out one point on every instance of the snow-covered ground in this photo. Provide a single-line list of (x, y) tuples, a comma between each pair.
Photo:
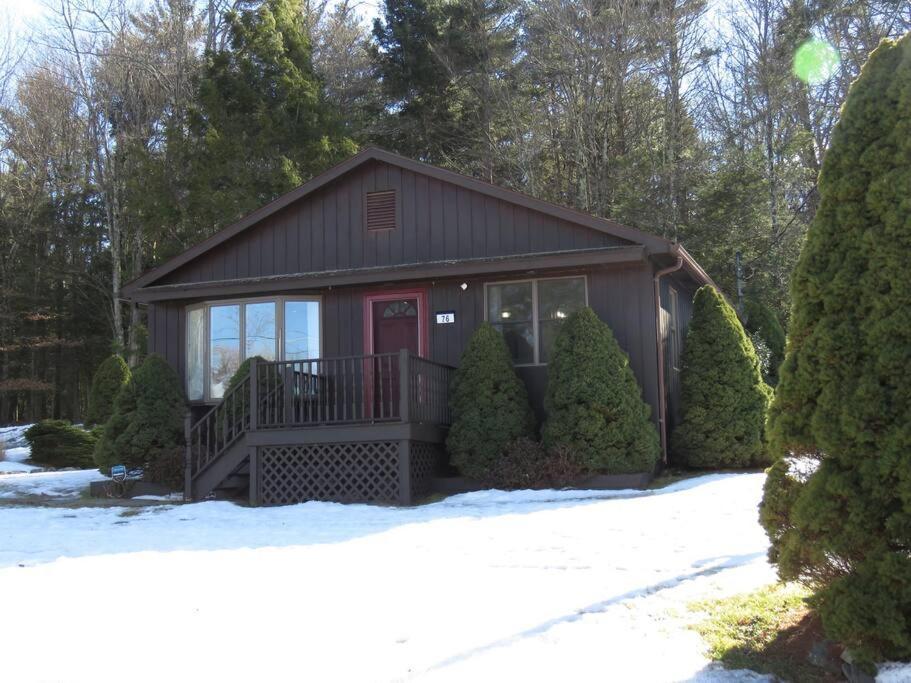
[(19, 479), (534, 586), (15, 450)]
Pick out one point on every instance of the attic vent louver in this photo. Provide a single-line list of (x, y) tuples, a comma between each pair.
[(380, 210)]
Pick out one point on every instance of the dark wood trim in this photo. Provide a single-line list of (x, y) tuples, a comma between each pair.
[(384, 274), (347, 433), (603, 225)]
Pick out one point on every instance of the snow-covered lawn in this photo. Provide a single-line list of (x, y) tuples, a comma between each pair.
[(15, 450), (534, 586)]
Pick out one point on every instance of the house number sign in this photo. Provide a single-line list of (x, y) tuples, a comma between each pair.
[(445, 317)]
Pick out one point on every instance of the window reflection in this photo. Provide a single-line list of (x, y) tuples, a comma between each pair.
[(301, 330), (509, 309), (259, 330), (224, 347)]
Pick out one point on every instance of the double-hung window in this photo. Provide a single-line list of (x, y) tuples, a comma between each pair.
[(529, 313), (220, 335)]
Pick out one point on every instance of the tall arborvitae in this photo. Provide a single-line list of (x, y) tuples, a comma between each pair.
[(844, 397), (762, 323), (489, 403), (261, 125), (147, 424), (594, 404), (724, 398), (110, 377)]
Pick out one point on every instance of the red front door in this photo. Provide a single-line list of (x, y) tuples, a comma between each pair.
[(395, 326), (393, 320)]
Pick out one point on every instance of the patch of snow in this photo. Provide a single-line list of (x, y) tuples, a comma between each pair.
[(168, 497), (533, 585), (14, 436), (63, 483), (13, 467), (894, 672), (15, 451)]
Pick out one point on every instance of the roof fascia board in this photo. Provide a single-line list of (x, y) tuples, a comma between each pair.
[(403, 273)]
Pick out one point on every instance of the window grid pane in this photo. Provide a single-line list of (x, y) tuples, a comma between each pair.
[(510, 310), (557, 300), (196, 354), (224, 347), (259, 330), (301, 330)]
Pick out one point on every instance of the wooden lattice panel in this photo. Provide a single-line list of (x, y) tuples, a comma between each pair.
[(425, 459), (342, 472)]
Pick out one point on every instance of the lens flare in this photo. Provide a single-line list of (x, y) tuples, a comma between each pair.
[(815, 61)]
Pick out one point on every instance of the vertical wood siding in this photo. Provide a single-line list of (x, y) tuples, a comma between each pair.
[(621, 296), (439, 221)]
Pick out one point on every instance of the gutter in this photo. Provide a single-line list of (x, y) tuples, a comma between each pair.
[(662, 397)]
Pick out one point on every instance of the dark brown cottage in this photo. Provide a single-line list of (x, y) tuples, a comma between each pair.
[(361, 288)]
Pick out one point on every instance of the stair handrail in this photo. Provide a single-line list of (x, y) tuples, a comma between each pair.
[(220, 427)]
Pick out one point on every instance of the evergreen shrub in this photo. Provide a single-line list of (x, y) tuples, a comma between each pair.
[(843, 398), (724, 400), (58, 443), (489, 404), (147, 424), (762, 322), (593, 402), (110, 377)]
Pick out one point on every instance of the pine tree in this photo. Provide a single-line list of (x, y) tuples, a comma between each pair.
[(110, 377), (261, 125), (593, 402), (444, 71), (843, 398), (724, 399), (489, 405)]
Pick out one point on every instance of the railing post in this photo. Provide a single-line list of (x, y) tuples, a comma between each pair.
[(188, 459), (404, 386), (254, 397), (254, 476)]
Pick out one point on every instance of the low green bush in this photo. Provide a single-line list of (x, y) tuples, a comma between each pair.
[(58, 443), (593, 402), (490, 407), (526, 464)]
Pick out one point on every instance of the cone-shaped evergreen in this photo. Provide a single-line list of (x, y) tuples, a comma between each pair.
[(762, 321), (147, 423), (724, 399), (844, 395), (594, 404), (110, 377), (489, 404)]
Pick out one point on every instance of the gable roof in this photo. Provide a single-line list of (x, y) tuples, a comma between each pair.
[(653, 243)]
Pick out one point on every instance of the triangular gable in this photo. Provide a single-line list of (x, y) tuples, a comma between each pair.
[(489, 202)]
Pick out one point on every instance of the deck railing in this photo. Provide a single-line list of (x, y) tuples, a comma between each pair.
[(383, 387)]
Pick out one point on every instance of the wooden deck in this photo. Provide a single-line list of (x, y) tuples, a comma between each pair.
[(361, 428)]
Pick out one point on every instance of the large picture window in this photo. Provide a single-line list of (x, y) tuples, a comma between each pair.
[(220, 335), (529, 313)]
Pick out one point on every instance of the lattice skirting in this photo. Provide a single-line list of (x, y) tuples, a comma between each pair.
[(371, 472), (426, 460)]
